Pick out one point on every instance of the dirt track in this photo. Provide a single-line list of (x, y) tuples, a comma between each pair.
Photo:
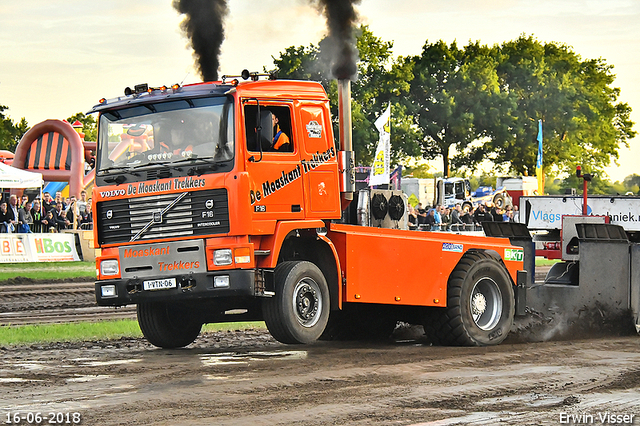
[(246, 378)]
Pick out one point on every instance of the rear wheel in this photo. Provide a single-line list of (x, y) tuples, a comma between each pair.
[(500, 201), (168, 325), (480, 304), (299, 311)]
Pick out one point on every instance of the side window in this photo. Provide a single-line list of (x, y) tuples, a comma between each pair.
[(278, 119)]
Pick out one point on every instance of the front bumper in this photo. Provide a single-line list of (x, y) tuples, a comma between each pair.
[(242, 283)]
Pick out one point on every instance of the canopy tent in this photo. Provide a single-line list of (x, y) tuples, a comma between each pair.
[(10, 177)]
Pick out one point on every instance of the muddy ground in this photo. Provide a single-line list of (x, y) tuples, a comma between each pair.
[(247, 378)]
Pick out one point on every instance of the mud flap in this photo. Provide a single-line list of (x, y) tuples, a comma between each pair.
[(521, 293)]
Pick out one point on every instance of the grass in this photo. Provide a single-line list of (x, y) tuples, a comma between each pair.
[(87, 331), (47, 270)]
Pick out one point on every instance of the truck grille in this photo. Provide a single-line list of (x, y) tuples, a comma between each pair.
[(163, 216)]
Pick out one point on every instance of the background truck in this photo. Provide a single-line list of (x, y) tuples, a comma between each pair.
[(198, 219), (450, 191)]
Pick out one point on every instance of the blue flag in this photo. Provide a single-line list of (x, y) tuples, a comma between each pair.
[(539, 160)]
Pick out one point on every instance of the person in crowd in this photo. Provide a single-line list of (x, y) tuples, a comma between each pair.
[(28, 217), (481, 215), (456, 220), (509, 216), (467, 218), (82, 201), (48, 222), (505, 214), (412, 217), (15, 215), (5, 226), (60, 220), (445, 216), (431, 223), (71, 211), (47, 201), (496, 214), (422, 214), (516, 214), (58, 199), (24, 200), (85, 218), (437, 214), (36, 214)]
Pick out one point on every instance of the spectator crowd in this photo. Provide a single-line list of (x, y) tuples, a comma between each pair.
[(441, 218), (22, 215)]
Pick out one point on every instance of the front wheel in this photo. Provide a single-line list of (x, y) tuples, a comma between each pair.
[(299, 311), (168, 325), (480, 304)]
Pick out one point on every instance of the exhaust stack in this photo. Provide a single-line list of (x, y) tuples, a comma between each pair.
[(346, 158)]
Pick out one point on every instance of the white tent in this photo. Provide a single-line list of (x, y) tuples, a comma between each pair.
[(10, 177)]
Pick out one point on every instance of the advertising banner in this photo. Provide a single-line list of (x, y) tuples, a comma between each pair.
[(38, 248)]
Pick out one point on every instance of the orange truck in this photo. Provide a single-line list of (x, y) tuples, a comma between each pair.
[(199, 219)]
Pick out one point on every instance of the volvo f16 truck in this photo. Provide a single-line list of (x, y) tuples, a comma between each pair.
[(226, 201)]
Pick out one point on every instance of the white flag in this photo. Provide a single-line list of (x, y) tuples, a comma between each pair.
[(380, 169)]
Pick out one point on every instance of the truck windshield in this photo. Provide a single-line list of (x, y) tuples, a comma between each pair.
[(165, 133)]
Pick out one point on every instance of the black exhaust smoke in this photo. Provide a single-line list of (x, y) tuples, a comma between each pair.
[(203, 26), (341, 17)]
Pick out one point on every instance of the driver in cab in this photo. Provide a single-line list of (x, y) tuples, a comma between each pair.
[(280, 139), (177, 143)]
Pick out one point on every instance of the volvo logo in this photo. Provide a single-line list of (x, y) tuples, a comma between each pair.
[(209, 204), (109, 214), (157, 217)]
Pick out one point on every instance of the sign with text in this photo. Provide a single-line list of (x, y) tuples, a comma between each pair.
[(38, 248)]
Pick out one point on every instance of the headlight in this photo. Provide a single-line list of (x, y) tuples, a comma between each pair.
[(108, 291), (221, 281), (109, 267), (222, 257)]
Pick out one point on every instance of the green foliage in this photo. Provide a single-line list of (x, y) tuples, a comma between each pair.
[(10, 132), (582, 123), (90, 128)]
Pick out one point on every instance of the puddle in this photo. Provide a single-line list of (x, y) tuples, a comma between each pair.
[(228, 358), (113, 362), (464, 420), (88, 378), (17, 380), (531, 400)]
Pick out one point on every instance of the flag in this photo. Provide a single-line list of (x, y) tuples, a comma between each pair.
[(539, 160), (380, 169)]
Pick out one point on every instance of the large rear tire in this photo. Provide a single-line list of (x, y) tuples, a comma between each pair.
[(168, 325), (299, 311), (480, 304)]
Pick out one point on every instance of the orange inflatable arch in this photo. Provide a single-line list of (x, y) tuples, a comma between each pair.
[(56, 150)]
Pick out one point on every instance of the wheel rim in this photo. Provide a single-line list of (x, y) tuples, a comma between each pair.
[(486, 304), (307, 302)]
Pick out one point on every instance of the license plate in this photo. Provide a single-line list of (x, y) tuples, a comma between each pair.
[(159, 284)]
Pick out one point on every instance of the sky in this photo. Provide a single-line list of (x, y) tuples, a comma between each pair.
[(59, 58)]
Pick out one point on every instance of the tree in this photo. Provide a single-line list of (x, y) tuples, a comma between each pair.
[(582, 123), (450, 89), (90, 127), (10, 133)]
